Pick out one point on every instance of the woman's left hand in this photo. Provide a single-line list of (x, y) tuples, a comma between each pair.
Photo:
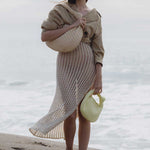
[(97, 84)]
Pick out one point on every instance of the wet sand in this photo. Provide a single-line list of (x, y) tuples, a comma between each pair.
[(20, 142)]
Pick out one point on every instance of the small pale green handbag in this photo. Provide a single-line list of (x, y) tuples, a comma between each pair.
[(89, 108)]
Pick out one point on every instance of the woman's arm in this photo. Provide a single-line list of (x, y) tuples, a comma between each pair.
[(51, 35), (97, 84), (99, 51), (99, 69)]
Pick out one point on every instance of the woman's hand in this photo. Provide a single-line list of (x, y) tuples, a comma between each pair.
[(97, 84), (80, 21)]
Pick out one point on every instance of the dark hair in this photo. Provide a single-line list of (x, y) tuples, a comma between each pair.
[(73, 1)]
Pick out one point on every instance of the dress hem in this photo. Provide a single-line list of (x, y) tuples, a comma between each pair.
[(38, 132)]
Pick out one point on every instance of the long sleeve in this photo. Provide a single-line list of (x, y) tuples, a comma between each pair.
[(97, 44), (54, 20)]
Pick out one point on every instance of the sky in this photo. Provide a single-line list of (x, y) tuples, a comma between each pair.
[(21, 49), (132, 14)]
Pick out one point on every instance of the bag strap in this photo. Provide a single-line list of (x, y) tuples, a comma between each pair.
[(101, 99)]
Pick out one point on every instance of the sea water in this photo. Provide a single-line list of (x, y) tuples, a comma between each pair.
[(28, 73)]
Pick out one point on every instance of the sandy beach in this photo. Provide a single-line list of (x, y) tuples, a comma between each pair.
[(19, 142)]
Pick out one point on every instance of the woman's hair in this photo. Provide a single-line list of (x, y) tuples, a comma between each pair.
[(73, 1)]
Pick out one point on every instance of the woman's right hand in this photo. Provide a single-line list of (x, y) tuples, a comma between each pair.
[(80, 21)]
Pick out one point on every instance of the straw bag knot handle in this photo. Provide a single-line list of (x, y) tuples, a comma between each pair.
[(101, 99)]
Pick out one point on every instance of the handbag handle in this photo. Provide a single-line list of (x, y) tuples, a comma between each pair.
[(101, 99)]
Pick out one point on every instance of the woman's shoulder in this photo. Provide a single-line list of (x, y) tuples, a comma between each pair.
[(58, 6), (90, 7), (58, 9), (99, 14)]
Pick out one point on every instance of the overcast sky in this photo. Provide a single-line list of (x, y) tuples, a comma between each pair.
[(20, 21), (134, 8), (129, 12)]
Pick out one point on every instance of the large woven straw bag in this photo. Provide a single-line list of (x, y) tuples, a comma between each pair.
[(68, 41)]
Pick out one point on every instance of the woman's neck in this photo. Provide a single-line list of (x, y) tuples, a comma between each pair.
[(81, 4)]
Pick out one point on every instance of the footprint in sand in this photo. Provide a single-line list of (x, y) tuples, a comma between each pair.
[(17, 148), (40, 143)]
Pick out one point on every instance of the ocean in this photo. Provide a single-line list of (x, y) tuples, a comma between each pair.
[(28, 72)]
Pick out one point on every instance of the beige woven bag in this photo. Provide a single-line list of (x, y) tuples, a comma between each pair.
[(68, 41)]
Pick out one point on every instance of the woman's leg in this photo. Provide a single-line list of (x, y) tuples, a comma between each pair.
[(69, 130), (84, 131)]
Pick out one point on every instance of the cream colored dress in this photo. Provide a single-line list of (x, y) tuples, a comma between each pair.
[(75, 70)]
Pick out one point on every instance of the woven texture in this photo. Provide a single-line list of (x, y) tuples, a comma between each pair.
[(75, 75), (68, 41)]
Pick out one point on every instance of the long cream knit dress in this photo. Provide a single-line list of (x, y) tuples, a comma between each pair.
[(75, 70)]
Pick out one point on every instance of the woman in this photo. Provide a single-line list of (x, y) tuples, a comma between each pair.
[(77, 72)]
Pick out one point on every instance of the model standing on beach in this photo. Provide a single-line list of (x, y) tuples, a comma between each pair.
[(77, 72)]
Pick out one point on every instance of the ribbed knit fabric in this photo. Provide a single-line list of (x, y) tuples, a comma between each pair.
[(68, 41), (75, 74)]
